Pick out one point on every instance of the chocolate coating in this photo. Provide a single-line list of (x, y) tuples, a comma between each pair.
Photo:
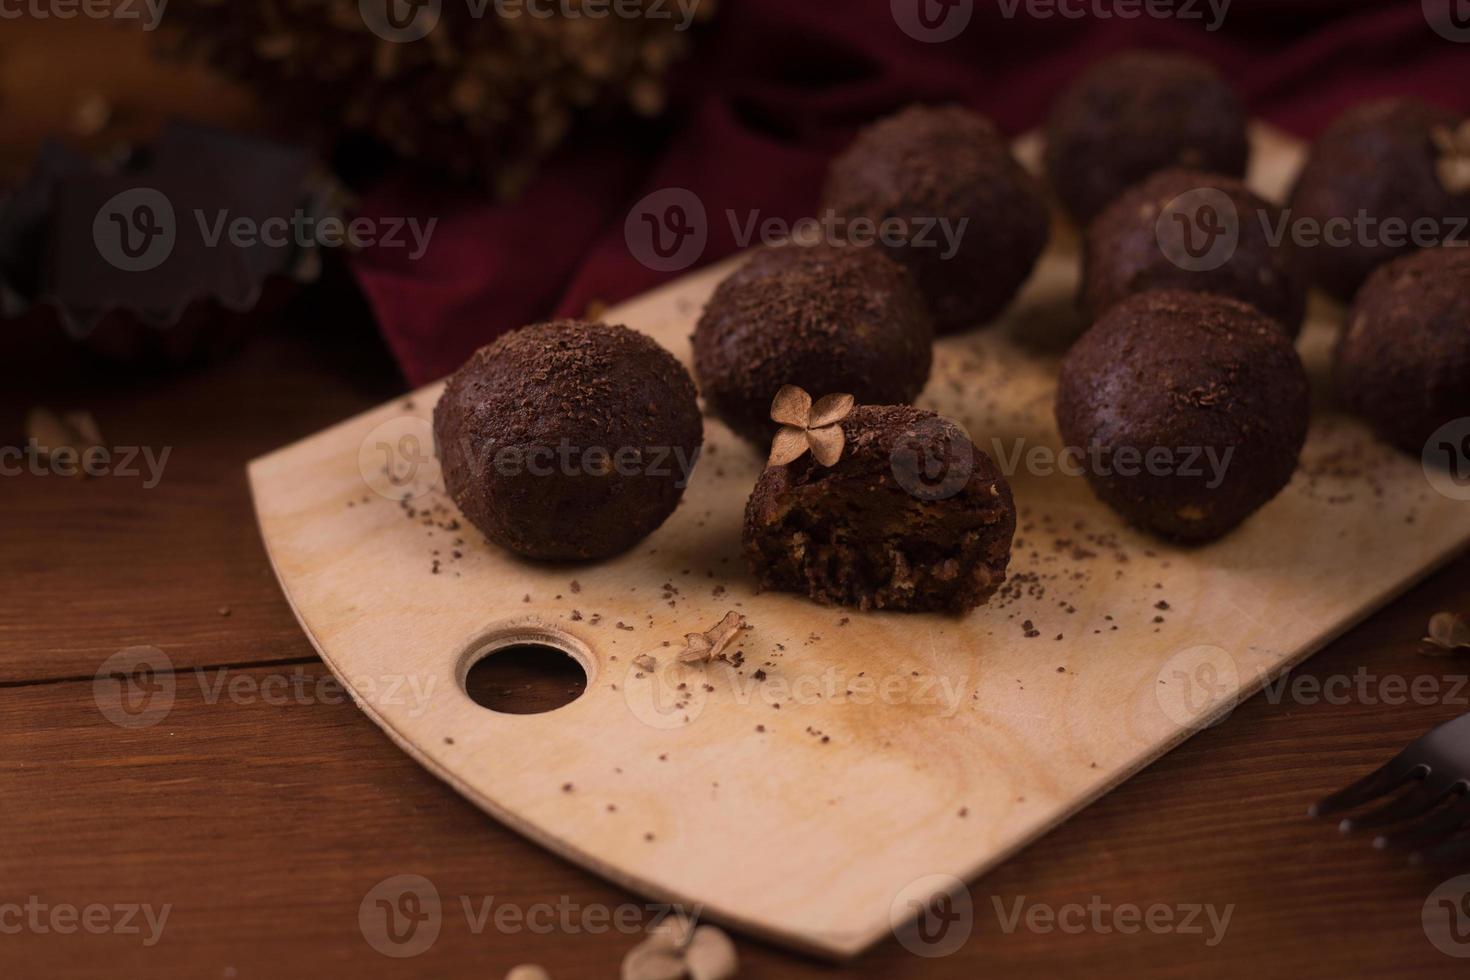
[(1379, 159), (829, 319), (1136, 113), (1403, 363), (568, 441), (876, 530), (1210, 381), (924, 164), (1128, 251)]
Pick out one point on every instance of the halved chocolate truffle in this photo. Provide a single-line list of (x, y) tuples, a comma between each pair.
[(965, 218), (1136, 113), (1206, 233), (1189, 411), (568, 441), (1377, 171), (912, 517), (826, 318), (1403, 363)]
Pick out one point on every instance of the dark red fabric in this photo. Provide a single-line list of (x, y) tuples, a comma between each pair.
[(778, 86)]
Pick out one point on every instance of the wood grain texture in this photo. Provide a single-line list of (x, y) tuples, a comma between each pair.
[(905, 749)]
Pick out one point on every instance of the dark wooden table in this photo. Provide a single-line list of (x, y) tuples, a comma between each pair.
[(263, 809)]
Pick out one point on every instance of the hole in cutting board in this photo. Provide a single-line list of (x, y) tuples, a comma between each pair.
[(523, 671)]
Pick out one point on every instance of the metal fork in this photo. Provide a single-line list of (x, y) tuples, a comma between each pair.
[(1433, 810)]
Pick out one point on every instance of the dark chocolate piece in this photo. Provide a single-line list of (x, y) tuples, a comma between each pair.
[(974, 221), (913, 517), (829, 319), (1395, 160), (1206, 233), (1136, 113), (1189, 411), (1403, 363), (568, 441)]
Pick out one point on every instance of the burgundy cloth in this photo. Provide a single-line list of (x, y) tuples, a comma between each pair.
[(779, 86)]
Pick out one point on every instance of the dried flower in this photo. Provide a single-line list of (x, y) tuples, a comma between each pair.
[(806, 426), (711, 644), (483, 94), (1453, 165), (677, 951), (1449, 632)]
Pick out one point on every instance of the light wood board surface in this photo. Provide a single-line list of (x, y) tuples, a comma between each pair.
[(875, 757)]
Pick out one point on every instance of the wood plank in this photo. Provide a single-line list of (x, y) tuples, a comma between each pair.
[(266, 825)]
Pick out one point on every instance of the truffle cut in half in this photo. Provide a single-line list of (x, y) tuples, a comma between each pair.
[(911, 516)]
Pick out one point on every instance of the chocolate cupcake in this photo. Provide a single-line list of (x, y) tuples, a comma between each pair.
[(568, 441), (1189, 410), (1136, 113), (968, 221), (826, 318), (1403, 363), (1182, 229), (1377, 171), (912, 517)]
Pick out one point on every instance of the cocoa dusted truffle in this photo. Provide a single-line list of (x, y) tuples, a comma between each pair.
[(1403, 363), (1189, 411), (1136, 113), (911, 517), (568, 441), (825, 317), (1384, 179), (948, 201), (1206, 233)]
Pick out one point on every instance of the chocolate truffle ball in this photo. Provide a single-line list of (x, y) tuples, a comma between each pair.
[(1189, 410), (948, 201), (912, 517), (1403, 363), (827, 318), (1206, 233), (568, 441), (1376, 171), (1136, 113)]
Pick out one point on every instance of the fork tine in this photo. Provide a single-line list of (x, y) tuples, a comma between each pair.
[(1441, 825), (1415, 803), (1454, 851), (1367, 789)]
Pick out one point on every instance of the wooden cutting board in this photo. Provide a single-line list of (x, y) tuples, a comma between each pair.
[(855, 762)]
